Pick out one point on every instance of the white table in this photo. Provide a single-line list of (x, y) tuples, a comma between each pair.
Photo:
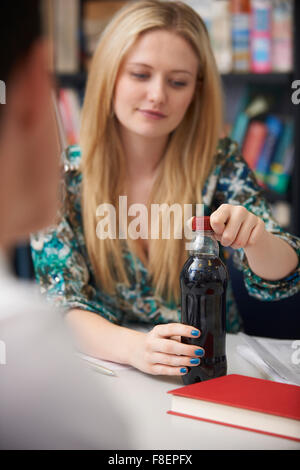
[(144, 400)]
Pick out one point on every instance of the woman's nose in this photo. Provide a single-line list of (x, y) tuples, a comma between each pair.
[(157, 90)]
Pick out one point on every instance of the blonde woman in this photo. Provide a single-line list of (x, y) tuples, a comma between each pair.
[(154, 57)]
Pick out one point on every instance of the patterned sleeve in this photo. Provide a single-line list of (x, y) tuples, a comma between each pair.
[(61, 266), (237, 185)]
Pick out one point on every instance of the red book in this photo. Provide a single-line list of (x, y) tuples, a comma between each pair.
[(244, 402), (65, 108), (254, 142)]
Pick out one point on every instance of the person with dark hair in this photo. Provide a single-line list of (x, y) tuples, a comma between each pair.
[(29, 179), (47, 399)]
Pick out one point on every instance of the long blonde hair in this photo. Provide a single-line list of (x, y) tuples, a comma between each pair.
[(189, 154)]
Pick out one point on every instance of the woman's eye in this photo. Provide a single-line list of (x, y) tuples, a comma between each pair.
[(142, 76), (139, 75), (179, 83)]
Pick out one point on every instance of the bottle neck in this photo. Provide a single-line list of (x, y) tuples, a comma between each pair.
[(204, 243)]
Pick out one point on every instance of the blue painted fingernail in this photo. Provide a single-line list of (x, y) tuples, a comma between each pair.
[(195, 361), (195, 333), (199, 352), (183, 370)]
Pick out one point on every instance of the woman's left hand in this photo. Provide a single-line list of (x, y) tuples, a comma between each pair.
[(236, 227)]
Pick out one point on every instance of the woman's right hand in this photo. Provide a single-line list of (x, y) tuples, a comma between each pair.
[(160, 351)]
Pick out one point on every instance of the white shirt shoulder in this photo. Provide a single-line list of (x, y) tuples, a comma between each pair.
[(49, 400)]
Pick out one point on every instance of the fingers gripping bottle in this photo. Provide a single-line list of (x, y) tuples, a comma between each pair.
[(203, 282)]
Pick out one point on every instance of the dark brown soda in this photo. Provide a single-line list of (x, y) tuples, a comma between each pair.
[(203, 282)]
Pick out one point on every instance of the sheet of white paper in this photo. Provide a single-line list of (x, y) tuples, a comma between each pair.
[(275, 357), (247, 353), (99, 362)]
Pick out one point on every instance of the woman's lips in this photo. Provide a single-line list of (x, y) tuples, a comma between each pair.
[(151, 115)]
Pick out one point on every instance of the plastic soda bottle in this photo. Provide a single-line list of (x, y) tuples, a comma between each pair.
[(203, 282)]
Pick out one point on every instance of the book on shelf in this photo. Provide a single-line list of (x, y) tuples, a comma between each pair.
[(221, 35), (254, 141), (261, 36), (282, 164), (47, 15), (266, 140), (274, 165), (282, 36), (249, 108), (246, 35), (248, 403), (240, 28), (274, 127), (96, 15), (65, 36), (69, 106)]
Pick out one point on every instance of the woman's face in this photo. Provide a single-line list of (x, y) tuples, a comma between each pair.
[(159, 74)]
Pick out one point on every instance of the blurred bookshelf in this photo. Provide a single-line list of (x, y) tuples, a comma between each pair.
[(258, 78), (274, 80), (77, 27), (79, 79), (76, 80)]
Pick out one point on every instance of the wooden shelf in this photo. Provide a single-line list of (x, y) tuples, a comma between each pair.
[(77, 80), (272, 196), (272, 79), (259, 78)]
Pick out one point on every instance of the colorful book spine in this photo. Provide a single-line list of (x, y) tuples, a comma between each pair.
[(282, 36), (254, 142), (241, 120), (240, 128), (289, 160), (66, 24), (248, 110), (284, 143), (282, 164), (221, 35), (260, 36), (70, 112), (240, 31), (274, 126)]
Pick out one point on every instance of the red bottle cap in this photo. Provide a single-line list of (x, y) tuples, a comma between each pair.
[(201, 223)]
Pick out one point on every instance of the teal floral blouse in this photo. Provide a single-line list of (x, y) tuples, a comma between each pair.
[(66, 277)]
